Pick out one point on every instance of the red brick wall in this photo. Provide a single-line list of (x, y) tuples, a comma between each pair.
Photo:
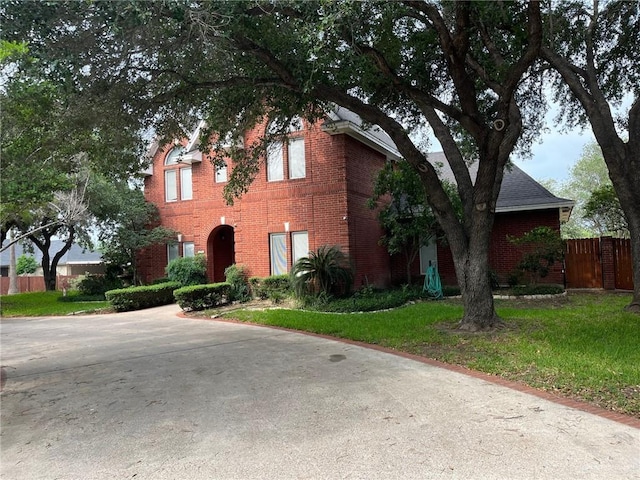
[(316, 204), (371, 260), (504, 256)]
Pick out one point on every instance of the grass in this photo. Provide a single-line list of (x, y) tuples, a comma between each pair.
[(582, 346), (47, 303)]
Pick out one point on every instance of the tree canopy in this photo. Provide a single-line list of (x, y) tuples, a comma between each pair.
[(592, 49), (464, 68)]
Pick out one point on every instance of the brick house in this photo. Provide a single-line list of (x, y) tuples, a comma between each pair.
[(311, 191)]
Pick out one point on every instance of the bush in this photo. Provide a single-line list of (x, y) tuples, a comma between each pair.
[(26, 265), (160, 280), (451, 291), (238, 279), (95, 285), (137, 298), (359, 302), (188, 270), (325, 271), (275, 287), (199, 297), (538, 289)]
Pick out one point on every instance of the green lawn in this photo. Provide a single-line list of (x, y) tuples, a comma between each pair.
[(582, 346), (46, 303)]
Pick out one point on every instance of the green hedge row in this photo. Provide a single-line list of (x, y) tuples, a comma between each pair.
[(275, 285), (137, 298), (199, 297)]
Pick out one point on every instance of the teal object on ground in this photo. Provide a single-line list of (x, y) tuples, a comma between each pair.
[(432, 284)]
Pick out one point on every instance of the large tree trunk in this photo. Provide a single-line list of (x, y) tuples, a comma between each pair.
[(625, 176), (50, 266), (471, 261)]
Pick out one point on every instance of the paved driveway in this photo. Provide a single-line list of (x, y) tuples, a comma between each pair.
[(148, 395)]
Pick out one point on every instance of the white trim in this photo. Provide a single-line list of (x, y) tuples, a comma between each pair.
[(540, 206), (192, 157), (365, 136)]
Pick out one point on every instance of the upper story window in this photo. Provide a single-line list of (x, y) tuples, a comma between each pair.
[(173, 157), (294, 153), (221, 174), (171, 177)]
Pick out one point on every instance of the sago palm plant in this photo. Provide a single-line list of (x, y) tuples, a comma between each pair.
[(327, 270)]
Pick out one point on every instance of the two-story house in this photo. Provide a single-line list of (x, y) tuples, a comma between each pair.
[(311, 190)]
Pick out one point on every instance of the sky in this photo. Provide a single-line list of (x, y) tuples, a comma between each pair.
[(555, 153)]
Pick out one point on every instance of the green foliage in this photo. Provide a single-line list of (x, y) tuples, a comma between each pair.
[(543, 247), (326, 271), (200, 297), (137, 298), (127, 223), (26, 264), (96, 285), (274, 287), (407, 220), (238, 278), (587, 175), (188, 270), (604, 210)]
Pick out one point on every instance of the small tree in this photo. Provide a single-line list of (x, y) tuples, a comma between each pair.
[(188, 270), (26, 265), (407, 219), (327, 271), (543, 247), (603, 209)]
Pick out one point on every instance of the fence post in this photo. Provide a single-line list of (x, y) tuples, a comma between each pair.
[(608, 265)]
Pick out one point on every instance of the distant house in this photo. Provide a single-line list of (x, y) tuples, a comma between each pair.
[(77, 261), (312, 190)]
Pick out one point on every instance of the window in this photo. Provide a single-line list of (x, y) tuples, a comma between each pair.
[(297, 164), (172, 252), (278, 247), (170, 186), (221, 174), (428, 255), (275, 165), (299, 245), (173, 157), (188, 249), (186, 187)]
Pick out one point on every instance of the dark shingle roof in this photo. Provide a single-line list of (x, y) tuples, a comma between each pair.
[(75, 255), (518, 192)]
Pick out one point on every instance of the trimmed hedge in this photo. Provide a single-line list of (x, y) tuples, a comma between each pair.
[(199, 297), (275, 285), (137, 298)]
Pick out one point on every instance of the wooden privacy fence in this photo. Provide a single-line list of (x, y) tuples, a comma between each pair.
[(34, 283), (599, 263)]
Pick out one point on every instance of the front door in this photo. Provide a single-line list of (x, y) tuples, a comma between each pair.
[(221, 252)]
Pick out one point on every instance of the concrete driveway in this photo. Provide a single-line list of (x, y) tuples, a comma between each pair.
[(149, 395)]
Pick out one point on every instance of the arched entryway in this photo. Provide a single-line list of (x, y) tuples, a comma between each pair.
[(220, 252)]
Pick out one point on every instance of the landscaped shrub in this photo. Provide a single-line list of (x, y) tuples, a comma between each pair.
[(238, 279), (357, 303), (451, 290), (96, 285), (538, 289), (542, 247), (275, 287), (137, 298), (199, 297), (325, 271), (188, 270)]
